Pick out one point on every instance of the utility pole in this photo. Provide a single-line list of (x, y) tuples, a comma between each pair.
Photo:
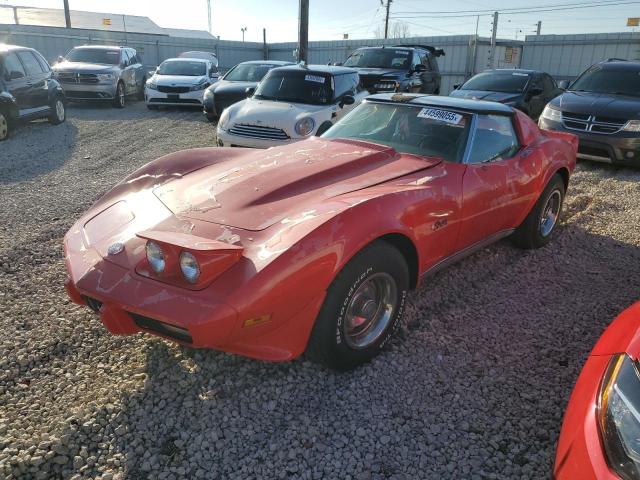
[(67, 15), (265, 49), (303, 31), (539, 27), (209, 15), (494, 33), (386, 20)]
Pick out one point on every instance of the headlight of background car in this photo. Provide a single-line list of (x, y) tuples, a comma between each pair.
[(550, 113), (155, 256), (632, 126), (208, 94), (619, 416), (189, 266), (224, 119), (200, 86), (105, 77), (305, 126), (151, 85)]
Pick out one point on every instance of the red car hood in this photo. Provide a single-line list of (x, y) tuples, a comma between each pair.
[(622, 336), (262, 187)]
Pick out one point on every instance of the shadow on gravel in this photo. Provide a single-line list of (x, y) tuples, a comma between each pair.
[(34, 149), (134, 109)]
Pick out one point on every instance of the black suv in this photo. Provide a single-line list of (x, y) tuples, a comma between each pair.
[(398, 68), (27, 89), (601, 107)]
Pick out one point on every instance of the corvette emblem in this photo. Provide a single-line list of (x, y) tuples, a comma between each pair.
[(115, 248)]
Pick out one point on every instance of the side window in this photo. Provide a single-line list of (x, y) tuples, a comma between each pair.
[(124, 57), (345, 84), (30, 63), (43, 63), (536, 82), (549, 83), (424, 57), (493, 139), (12, 64), (416, 59)]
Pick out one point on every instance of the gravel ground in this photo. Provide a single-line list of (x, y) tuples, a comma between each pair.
[(474, 386)]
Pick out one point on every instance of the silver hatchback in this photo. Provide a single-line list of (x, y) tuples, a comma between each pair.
[(96, 72)]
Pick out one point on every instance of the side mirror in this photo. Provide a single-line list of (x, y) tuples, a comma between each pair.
[(249, 91), (347, 100), (14, 75), (60, 59), (419, 68), (563, 84), (457, 86)]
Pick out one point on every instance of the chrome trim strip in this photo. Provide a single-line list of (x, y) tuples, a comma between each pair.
[(594, 158)]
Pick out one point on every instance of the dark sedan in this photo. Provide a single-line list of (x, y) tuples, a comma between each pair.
[(526, 90), (232, 87)]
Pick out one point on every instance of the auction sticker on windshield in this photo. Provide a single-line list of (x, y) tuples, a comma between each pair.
[(314, 78), (441, 115)]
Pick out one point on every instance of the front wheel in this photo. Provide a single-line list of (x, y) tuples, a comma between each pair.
[(4, 126), (119, 99), (362, 309), (141, 90), (537, 229), (58, 112)]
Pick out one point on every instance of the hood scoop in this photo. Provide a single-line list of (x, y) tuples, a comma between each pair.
[(264, 186)]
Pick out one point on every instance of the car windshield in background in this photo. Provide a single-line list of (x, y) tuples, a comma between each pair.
[(513, 82), (94, 55), (248, 72), (425, 131), (183, 68), (620, 82), (379, 58), (296, 87)]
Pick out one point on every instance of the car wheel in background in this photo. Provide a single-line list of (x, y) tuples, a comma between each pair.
[(152, 107), (211, 117), (119, 99), (323, 128), (362, 309), (4, 126), (58, 111), (141, 91), (539, 226)]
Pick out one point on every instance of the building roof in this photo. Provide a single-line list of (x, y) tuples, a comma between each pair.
[(52, 17), (455, 103)]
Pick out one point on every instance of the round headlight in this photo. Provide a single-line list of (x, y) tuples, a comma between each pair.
[(189, 266), (155, 257), (305, 126)]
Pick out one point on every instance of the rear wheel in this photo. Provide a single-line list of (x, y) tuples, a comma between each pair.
[(4, 126), (58, 111), (119, 100), (362, 308), (538, 228)]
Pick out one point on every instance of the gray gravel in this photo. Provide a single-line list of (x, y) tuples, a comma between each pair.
[(473, 387)]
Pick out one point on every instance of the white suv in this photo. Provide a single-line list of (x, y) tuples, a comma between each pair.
[(290, 103), (179, 81)]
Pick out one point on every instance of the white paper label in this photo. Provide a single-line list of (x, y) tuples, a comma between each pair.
[(518, 74), (402, 52), (314, 78), (441, 115)]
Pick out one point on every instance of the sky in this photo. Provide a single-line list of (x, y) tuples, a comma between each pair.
[(330, 19)]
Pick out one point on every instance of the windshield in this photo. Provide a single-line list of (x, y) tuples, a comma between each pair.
[(379, 58), (514, 82), (296, 86), (248, 72), (183, 68), (597, 80), (419, 130), (94, 55)]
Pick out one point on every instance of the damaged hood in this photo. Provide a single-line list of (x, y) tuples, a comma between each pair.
[(263, 187)]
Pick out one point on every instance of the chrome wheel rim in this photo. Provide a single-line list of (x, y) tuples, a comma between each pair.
[(4, 127), (550, 213), (60, 110), (370, 310), (121, 95)]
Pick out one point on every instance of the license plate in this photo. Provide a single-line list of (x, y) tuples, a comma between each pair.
[(173, 96)]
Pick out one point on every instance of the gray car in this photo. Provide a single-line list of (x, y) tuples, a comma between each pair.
[(96, 72)]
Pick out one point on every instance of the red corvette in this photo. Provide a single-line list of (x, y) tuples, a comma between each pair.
[(600, 436), (313, 246)]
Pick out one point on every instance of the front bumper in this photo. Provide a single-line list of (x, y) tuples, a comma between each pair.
[(154, 97), (97, 91), (618, 148), (226, 139), (580, 454)]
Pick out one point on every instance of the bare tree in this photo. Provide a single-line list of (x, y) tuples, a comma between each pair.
[(396, 30)]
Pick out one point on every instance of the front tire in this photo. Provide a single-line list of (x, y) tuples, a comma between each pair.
[(58, 111), (119, 100), (362, 309), (4, 126), (538, 228), (141, 91)]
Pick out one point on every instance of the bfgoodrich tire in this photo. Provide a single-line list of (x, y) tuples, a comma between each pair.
[(362, 309), (4, 126), (538, 228)]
